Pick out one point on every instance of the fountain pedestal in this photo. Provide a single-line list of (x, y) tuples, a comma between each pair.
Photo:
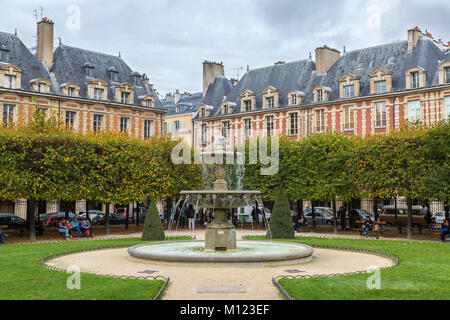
[(220, 235)]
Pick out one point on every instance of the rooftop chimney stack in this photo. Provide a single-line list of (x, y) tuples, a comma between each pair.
[(325, 58), (176, 96), (211, 70), (45, 42), (413, 37)]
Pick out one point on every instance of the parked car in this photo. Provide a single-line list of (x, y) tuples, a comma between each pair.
[(92, 214), (323, 215), (54, 219), (113, 219), (388, 215), (12, 222), (245, 214)]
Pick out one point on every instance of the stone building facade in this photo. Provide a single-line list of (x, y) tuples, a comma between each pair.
[(86, 90), (362, 92)]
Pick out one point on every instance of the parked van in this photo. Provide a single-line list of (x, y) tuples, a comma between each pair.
[(388, 215), (245, 214)]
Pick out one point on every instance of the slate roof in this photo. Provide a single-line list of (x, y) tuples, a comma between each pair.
[(188, 103), (68, 63), (23, 58), (302, 75)]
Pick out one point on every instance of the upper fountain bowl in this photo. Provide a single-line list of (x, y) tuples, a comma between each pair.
[(221, 199)]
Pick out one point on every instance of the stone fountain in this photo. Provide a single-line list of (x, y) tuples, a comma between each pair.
[(220, 245)]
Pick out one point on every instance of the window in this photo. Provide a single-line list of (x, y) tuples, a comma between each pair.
[(248, 127), (204, 133), (380, 87), (226, 129), (177, 109), (11, 81), (447, 75), (177, 126), (8, 114), (124, 124), (349, 91), (269, 125), (415, 80), (89, 71), (166, 128), (70, 119), (349, 118), (319, 95), (320, 121), (225, 109), (414, 113), (4, 56), (113, 76), (71, 91), (148, 129), (380, 115), (148, 103), (42, 111), (125, 97), (270, 101), (294, 99), (294, 124), (98, 123), (40, 87), (447, 109), (202, 113), (248, 105), (98, 94)]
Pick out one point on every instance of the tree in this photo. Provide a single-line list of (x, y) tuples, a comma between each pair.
[(280, 221), (153, 228)]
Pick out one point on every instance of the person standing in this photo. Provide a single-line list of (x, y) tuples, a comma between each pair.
[(342, 217), (190, 216), (428, 216)]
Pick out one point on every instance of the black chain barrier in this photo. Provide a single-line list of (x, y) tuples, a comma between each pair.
[(275, 280), (44, 261)]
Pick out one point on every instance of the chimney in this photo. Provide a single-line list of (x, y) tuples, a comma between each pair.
[(234, 81), (413, 37), (45, 42), (325, 58), (176, 96), (211, 70)]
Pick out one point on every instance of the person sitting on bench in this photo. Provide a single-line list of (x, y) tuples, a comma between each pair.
[(63, 229), (445, 230), (2, 236), (367, 226)]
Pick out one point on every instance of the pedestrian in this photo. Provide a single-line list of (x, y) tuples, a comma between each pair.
[(182, 218), (191, 216), (296, 221), (428, 216), (367, 226), (2, 236), (445, 230), (255, 219), (342, 217)]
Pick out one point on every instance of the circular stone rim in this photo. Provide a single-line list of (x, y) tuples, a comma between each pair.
[(132, 251)]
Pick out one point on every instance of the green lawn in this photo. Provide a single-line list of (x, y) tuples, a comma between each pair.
[(423, 274), (23, 278)]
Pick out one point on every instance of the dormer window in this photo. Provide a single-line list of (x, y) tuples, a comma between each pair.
[(349, 91), (380, 81), (416, 77), (114, 76), (41, 85), (270, 103), (71, 91), (380, 87), (319, 95), (349, 86), (248, 101), (4, 56), (202, 113), (271, 97), (89, 71), (247, 105), (415, 80), (125, 97), (135, 78), (98, 94), (177, 109), (11, 82), (447, 75), (293, 99)]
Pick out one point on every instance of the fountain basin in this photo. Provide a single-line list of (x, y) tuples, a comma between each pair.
[(248, 253), (214, 199)]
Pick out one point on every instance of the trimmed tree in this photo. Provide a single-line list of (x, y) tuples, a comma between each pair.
[(153, 228), (280, 221)]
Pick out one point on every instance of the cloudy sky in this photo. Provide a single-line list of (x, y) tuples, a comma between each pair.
[(169, 39)]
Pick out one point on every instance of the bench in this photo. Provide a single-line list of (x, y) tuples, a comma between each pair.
[(379, 223)]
